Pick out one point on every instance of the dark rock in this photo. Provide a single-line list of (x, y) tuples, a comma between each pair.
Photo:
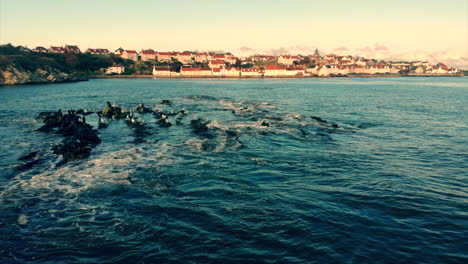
[(231, 133), (199, 126), (72, 148), (264, 123), (102, 124), (142, 109), (164, 122), (29, 156), (51, 120), (43, 115), (79, 139), (166, 102), (114, 112), (28, 165), (319, 119), (158, 113)]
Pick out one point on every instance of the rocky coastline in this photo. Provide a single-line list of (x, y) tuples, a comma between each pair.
[(11, 75)]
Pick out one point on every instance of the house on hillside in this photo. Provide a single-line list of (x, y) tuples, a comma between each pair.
[(201, 57), (72, 49), (184, 57), (39, 49), (287, 59), (118, 69), (166, 56), (97, 51), (216, 63), (103, 51), (130, 55), (147, 55), (231, 59), (219, 57), (54, 49)]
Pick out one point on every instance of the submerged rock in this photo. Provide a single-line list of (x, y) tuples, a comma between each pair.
[(319, 119), (231, 133), (29, 156), (166, 102), (329, 127)]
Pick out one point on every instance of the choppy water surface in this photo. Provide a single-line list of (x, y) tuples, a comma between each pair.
[(387, 184)]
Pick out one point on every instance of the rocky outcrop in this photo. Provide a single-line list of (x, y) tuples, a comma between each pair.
[(12, 75)]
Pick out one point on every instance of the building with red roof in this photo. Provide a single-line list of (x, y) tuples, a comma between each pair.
[(54, 49), (217, 63), (251, 72), (147, 55), (72, 49), (130, 55), (166, 56), (185, 57), (39, 49)]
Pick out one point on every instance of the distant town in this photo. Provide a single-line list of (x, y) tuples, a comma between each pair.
[(211, 64)]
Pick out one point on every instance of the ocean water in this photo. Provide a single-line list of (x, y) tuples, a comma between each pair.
[(383, 180)]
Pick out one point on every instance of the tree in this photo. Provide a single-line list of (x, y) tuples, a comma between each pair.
[(176, 65)]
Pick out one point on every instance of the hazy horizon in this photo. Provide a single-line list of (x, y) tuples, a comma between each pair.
[(418, 30)]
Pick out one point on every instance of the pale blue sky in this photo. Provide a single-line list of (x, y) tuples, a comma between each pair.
[(400, 25)]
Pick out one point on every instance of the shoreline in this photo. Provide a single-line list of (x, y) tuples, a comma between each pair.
[(134, 76)]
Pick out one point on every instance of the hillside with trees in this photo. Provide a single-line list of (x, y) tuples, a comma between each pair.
[(20, 65)]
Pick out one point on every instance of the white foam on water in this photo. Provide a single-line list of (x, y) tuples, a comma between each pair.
[(216, 124), (26, 120), (109, 168), (196, 143)]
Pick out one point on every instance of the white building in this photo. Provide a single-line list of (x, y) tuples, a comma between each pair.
[(118, 69), (251, 72), (287, 59), (164, 71)]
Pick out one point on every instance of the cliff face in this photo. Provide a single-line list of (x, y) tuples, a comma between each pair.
[(11, 75)]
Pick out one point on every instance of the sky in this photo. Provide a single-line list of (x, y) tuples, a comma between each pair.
[(434, 30)]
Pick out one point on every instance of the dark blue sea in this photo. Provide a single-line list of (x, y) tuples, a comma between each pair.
[(351, 170)]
